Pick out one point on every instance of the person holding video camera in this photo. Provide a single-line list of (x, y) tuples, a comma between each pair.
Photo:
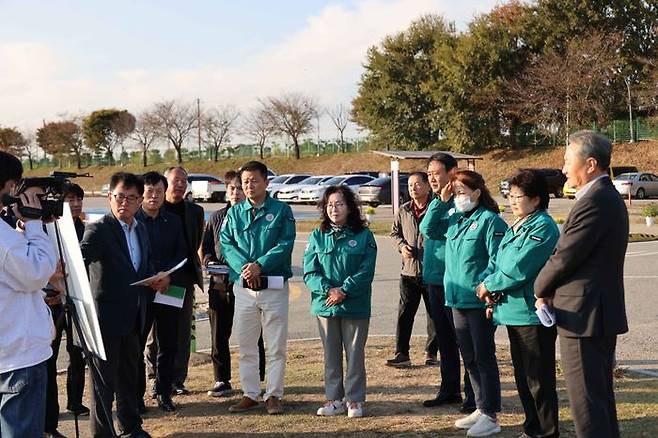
[(117, 253), (28, 260)]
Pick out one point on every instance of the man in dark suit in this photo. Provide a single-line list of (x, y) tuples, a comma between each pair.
[(192, 217), (116, 251), (583, 281)]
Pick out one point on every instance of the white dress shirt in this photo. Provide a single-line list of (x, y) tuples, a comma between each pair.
[(27, 261)]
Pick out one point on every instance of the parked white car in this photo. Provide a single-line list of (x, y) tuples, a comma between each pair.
[(206, 188), (639, 185), (283, 181), (314, 194), (291, 194)]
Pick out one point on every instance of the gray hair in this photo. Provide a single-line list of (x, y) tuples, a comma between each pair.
[(593, 145), (171, 169)]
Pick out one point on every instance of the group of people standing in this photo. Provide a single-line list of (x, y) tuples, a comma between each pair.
[(473, 272)]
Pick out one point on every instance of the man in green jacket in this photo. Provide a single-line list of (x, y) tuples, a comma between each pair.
[(257, 239), (434, 225)]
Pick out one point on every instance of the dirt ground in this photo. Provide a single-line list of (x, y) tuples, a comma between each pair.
[(393, 406)]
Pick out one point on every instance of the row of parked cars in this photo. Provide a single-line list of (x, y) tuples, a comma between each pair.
[(372, 188), (627, 180)]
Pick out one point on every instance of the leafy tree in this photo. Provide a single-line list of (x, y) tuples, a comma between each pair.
[(62, 139), (105, 129), (395, 101), (12, 141)]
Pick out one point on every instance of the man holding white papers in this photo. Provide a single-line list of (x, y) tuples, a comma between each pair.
[(165, 232), (257, 239), (117, 253)]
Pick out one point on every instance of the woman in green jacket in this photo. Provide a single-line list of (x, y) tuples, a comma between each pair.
[(474, 232), (525, 248), (339, 266)]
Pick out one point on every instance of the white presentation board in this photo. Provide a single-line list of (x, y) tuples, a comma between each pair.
[(78, 283)]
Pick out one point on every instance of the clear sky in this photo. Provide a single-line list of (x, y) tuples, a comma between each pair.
[(72, 57)]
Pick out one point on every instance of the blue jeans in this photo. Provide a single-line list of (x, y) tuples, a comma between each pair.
[(23, 402)]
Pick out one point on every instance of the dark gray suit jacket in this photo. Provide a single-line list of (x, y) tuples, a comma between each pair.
[(121, 307), (585, 274)]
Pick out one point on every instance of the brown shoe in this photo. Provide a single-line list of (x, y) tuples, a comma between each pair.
[(246, 404), (273, 406)]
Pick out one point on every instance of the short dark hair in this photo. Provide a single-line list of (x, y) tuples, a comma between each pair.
[(153, 178), (72, 189), (129, 181), (421, 175), (448, 161), (230, 176), (533, 184), (354, 220), (10, 168), (254, 166)]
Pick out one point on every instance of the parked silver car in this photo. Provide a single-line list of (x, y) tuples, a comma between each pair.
[(314, 194), (640, 185), (279, 182), (291, 193)]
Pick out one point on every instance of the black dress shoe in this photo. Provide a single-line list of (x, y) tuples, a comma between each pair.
[(467, 408), (179, 389), (79, 410), (53, 434), (443, 399), (141, 433), (141, 408), (166, 404)]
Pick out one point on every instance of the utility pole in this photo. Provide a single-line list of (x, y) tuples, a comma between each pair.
[(317, 116), (198, 123)]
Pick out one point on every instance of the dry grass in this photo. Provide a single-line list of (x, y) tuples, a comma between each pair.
[(393, 406), (497, 164)]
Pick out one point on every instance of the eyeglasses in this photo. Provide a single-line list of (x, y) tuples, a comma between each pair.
[(337, 205), (516, 198), (121, 198)]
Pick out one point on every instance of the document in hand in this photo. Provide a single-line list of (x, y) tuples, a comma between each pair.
[(174, 296), (159, 275), (217, 269)]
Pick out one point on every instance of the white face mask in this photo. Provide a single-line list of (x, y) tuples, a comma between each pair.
[(464, 204)]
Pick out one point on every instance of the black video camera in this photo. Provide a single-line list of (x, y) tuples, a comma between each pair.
[(52, 199)]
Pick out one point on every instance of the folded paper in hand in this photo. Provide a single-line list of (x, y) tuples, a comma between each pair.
[(159, 275), (546, 315), (217, 269), (174, 296)]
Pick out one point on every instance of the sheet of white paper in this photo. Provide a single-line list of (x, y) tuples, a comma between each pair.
[(275, 282), (146, 281), (168, 300)]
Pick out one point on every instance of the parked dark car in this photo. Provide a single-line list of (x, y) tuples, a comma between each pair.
[(378, 191), (554, 177)]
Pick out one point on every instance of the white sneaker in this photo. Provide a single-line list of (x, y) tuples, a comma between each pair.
[(484, 426), (330, 408), (468, 422), (355, 410)]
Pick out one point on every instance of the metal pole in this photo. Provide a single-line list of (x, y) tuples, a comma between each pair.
[(395, 186), (317, 115), (198, 123)]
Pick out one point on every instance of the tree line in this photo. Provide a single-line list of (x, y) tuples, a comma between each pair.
[(518, 75), (175, 122)]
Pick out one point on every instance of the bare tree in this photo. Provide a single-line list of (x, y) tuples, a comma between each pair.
[(176, 121), (145, 133), (570, 89), (340, 118), (30, 148), (216, 127), (292, 115), (258, 126)]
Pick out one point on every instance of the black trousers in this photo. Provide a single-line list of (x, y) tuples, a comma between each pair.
[(163, 320), (448, 349), (412, 289), (221, 308), (475, 336), (182, 358), (533, 356), (588, 366), (116, 377), (75, 374)]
